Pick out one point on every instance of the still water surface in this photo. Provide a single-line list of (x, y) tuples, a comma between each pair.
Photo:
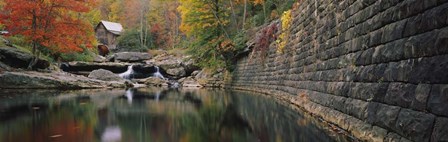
[(153, 114)]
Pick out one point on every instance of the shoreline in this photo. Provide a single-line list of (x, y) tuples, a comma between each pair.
[(353, 127)]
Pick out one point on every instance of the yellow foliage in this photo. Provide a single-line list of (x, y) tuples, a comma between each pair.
[(286, 24), (115, 9), (198, 15), (2, 3)]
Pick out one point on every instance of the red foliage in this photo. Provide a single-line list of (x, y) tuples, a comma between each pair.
[(264, 38), (54, 24), (158, 35)]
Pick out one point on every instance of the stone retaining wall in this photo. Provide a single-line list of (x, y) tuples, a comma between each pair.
[(376, 68)]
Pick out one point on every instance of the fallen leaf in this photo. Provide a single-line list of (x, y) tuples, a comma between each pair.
[(55, 136)]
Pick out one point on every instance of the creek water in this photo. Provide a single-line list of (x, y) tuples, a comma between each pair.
[(153, 114)]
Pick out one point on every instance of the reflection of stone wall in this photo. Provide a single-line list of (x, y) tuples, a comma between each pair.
[(379, 68)]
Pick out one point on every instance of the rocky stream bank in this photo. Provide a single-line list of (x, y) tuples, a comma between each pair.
[(119, 70)]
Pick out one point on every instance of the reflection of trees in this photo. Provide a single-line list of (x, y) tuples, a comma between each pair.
[(217, 120), (177, 115), (42, 119), (192, 116)]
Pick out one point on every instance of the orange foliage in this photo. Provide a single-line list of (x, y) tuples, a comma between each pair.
[(55, 24), (157, 35)]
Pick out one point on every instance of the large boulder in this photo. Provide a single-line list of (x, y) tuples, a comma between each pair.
[(189, 65), (131, 56), (169, 63), (189, 82), (176, 72), (53, 80), (105, 75), (84, 68), (99, 59), (210, 79), (16, 58)]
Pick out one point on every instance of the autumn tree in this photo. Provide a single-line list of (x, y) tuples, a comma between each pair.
[(111, 10), (53, 24), (205, 22), (218, 27), (2, 3)]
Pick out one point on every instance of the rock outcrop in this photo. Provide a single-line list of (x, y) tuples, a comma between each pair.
[(141, 70), (99, 59), (189, 82), (53, 80), (210, 79), (131, 57), (84, 68), (177, 72), (105, 75), (16, 58), (176, 67)]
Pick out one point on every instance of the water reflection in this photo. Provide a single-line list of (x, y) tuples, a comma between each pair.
[(111, 134), (150, 114)]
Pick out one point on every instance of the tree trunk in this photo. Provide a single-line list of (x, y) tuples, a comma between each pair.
[(244, 14), (264, 11), (34, 51), (234, 18), (141, 28)]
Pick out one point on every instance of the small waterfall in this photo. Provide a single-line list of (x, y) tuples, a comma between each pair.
[(129, 96), (157, 96), (127, 74), (174, 84), (158, 74)]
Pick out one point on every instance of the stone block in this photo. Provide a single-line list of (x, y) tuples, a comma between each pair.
[(410, 7), (412, 26), (436, 69), (422, 70), (393, 31), (359, 129), (434, 18), (416, 126), (400, 94), (365, 58), (441, 44), (392, 51), (375, 38), (371, 73), (377, 134), (386, 116), (356, 108), (438, 100), (368, 91), (421, 96), (342, 121), (422, 45), (429, 3), (392, 137), (440, 132), (337, 102), (338, 88), (371, 112)]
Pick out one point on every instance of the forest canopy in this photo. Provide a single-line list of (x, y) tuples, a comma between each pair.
[(213, 30)]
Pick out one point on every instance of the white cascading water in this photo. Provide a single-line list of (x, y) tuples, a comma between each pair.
[(158, 74), (129, 96), (127, 74), (157, 96)]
